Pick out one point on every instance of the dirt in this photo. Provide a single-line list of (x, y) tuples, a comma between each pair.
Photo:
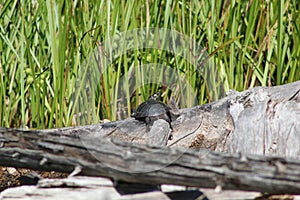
[(12, 177)]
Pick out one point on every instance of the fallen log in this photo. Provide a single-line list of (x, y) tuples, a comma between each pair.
[(247, 125), (260, 121), (100, 188), (147, 164)]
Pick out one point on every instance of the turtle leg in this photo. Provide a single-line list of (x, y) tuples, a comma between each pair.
[(148, 123), (168, 119)]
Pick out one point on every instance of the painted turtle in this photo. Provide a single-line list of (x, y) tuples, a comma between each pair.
[(152, 110)]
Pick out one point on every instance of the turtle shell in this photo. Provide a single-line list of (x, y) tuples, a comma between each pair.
[(152, 110)]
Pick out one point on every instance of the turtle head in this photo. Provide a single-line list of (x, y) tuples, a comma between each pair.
[(155, 96)]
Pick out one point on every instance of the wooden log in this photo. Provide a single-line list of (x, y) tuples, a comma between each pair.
[(260, 121), (90, 188), (147, 164), (266, 121), (77, 187)]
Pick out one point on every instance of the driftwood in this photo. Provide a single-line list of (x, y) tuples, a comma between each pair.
[(247, 125)]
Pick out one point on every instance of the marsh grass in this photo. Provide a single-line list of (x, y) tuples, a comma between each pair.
[(44, 43)]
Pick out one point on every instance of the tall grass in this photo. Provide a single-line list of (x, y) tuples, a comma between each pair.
[(43, 45)]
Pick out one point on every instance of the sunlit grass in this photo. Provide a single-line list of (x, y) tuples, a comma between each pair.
[(44, 45)]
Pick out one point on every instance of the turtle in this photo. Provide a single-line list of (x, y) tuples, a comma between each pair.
[(152, 110)]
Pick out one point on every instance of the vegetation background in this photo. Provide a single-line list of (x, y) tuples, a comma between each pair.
[(44, 43)]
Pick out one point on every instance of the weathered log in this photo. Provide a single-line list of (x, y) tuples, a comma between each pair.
[(266, 121), (262, 121), (79, 187), (147, 164)]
